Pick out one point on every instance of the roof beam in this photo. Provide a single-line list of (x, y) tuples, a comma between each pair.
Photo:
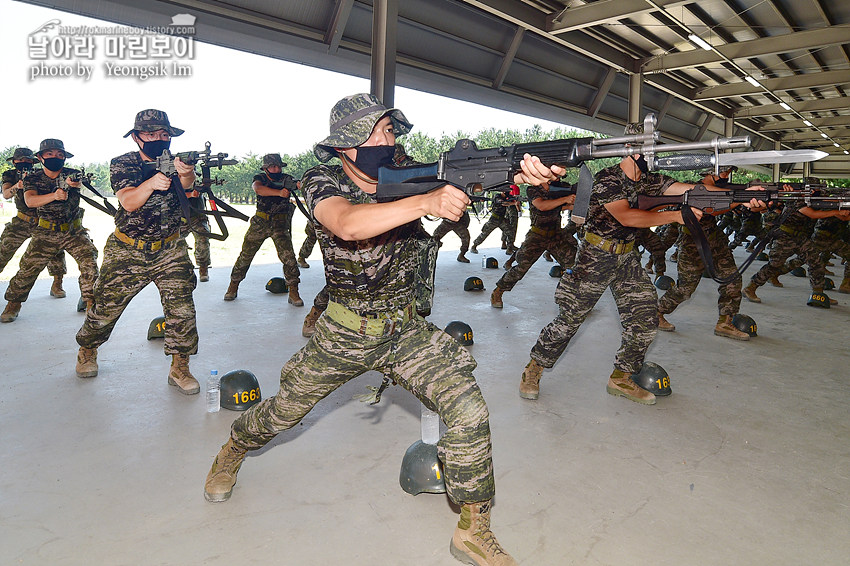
[(601, 93), (787, 43), (830, 122), (819, 105), (603, 12), (742, 88), (509, 58), (811, 135), (333, 34)]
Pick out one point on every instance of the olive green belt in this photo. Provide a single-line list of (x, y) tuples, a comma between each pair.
[(610, 246), (57, 227), (27, 218), (542, 232), (267, 216), (147, 245), (370, 326), (791, 231)]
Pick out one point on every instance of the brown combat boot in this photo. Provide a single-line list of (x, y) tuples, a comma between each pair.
[(303, 263), (180, 376), (204, 273), (529, 385), (462, 258), (845, 286), (309, 327), (56, 289), (232, 289), (750, 292), (473, 542), (496, 298), (621, 385), (726, 329), (664, 325), (294, 297), (87, 362), (775, 281), (222, 476), (11, 311)]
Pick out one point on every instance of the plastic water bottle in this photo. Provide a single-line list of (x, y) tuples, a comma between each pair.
[(213, 392), (429, 425)]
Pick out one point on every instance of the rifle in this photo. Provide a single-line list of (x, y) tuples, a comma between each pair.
[(277, 185), (206, 160), (85, 179)]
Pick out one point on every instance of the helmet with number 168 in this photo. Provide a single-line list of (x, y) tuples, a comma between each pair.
[(239, 390)]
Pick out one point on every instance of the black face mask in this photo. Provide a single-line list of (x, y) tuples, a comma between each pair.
[(371, 158), (154, 149), (641, 164), (721, 182), (23, 166), (54, 163), (275, 176)]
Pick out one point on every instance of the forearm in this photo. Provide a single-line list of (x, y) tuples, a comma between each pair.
[(637, 218), (8, 190), (35, 200), (187, 180), (133, 198), (353, 222), (265, 191)]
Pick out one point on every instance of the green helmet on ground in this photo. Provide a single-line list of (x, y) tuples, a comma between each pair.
[(664, 282), (473, 284), (556, 271), (421, 470), (277, 285), (745, 323), (157, 328), (654, 379), (460, 331), (239, 390), (491, 263)]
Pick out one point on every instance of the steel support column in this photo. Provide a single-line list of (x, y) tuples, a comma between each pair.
[(384, 30)]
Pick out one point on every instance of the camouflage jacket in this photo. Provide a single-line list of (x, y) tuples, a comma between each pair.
[(59, 211), (159, 217), (543, 219), (795, 220), (611, 185), (11, 176), (275, 205)]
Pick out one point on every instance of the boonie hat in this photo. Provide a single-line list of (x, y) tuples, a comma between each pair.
[(22, 153), (270, 159), (151, 120), (51, 143)]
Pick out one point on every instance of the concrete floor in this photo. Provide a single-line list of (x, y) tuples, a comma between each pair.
[(746, 463)]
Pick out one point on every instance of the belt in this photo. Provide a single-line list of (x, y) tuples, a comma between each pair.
[(146, 245), (382, 325), (610, 246), (57, 227), (27, 218), (791, 231), (542, 232), (267, 216)]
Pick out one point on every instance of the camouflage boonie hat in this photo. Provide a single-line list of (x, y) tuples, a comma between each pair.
[(22, 153), (634, 128), (151, 120), (270, 159), (51, 143), (352, 121)]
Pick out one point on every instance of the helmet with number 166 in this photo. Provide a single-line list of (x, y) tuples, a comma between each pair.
[(239, 390)]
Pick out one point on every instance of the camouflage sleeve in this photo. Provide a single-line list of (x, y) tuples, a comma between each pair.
[(318, 184), (9, 176), (608, 187), (289, 182), (260, 178), (124, 172)]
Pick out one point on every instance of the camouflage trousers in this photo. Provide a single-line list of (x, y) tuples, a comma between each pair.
[(279, 229), (322, 299), (202, 242), (14, 235), (461, 228), (826, 244), (691, 267), (578, 292), (509, 235), (784, 246), (44, 247), (492, 223), (125, 272), (309, 241), (421, 358), (560, 243), (652, 243)]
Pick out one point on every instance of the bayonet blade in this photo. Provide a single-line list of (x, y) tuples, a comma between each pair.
[(772, 156), (583, 192)]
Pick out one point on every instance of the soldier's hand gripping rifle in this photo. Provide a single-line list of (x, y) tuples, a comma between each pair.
[(290, 185), (85, 179), (206, 160)]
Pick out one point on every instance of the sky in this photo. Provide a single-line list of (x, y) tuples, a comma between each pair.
[(240, 102)]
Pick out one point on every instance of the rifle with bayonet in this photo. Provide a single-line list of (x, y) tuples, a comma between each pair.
[(206, 160)]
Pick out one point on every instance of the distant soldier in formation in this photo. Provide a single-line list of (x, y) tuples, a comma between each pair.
[(22, 225), (199, 227), (55, 195), (461, 228), (502, 201)]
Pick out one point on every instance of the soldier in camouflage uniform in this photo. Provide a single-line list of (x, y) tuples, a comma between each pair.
[(307, 246), (22, 225), (371, 258), (652, 243), (273, 219), (147, 246), (498, 219), (690, 268), (512, 217), (55, 196), (545, 234), (830, 237), (461, 228), (199, 227), (607, 259)]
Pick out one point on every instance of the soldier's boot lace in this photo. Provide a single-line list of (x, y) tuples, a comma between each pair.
[(204, 273), (309, 327), (11, 311), (56, 289), (222, 476), (726, 329), (664, 324), (529, 385), (845, 286), (473, 542), (496, 298), (232, 290), (303, 263), (294, 297), (87, 362), (620, 384), (750, 293), (775, 281), (180, 376)]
